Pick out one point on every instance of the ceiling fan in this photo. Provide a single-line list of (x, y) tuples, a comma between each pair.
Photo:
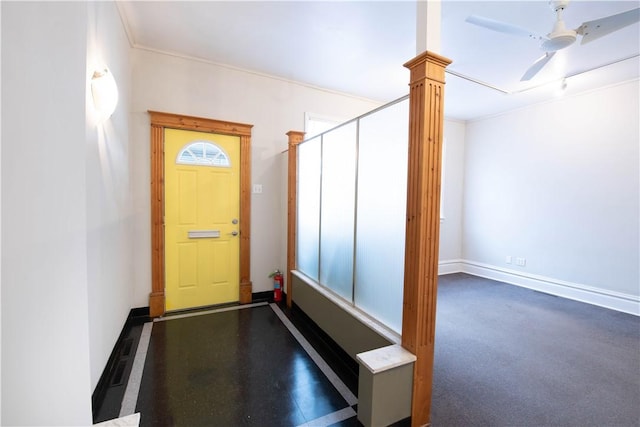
[(560, 37)]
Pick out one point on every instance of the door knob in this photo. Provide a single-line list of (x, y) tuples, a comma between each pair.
[(234, 233), (234, 221)]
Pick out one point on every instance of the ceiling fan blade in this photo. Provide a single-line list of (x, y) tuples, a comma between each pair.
[(537, 66), (597, 28), (501, 27)]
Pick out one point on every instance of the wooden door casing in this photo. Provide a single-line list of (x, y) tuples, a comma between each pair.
[(160, 121)]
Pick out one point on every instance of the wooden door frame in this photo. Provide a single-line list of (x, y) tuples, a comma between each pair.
[(160, 121)]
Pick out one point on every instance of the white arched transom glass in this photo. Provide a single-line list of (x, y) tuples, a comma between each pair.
[(203, 153)]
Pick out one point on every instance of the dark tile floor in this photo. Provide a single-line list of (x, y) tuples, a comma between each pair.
[(233, 368)]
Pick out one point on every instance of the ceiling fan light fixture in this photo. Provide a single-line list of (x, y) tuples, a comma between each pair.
[(559, 41), (558, 4), (560, 37)]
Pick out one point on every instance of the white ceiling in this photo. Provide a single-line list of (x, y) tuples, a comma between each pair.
[(358, 47)]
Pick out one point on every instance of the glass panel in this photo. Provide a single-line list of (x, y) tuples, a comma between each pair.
[(308, 233), (337, 217), (315, 125), (203, 153), (382, 195)]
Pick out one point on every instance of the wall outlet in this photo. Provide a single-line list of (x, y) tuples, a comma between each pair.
[(521, 262), (508, 259), (257, 189)]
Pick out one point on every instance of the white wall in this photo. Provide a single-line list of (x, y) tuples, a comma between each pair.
[(452, 191), (0, 224), (558, 184), (184, 86), (45, 337), (108, 188), (66, 209)]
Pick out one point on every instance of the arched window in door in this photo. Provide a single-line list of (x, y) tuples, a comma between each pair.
[(203, 153)]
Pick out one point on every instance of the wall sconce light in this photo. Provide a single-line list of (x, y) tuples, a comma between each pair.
[(104, 92)]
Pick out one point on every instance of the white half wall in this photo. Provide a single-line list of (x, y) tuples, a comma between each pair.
[(557, 184), (45, 335), (108, 188), (274, 106)]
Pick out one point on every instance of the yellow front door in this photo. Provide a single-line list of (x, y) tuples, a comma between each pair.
[(202, 208)]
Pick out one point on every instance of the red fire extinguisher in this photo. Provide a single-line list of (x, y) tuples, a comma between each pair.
[(278, 285)]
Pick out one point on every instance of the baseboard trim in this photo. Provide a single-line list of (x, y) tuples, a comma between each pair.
[(603, 298), (138, 315), (450, 266), (266, 296)]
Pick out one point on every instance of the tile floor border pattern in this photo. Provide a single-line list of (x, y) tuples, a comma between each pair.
[(130, 398), (132, 420), (340, 386), (319, 361), (332, 418), (204, 312)]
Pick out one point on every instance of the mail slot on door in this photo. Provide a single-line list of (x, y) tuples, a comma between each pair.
[(203, 234)]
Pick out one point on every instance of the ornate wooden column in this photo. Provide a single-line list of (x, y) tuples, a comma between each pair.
[(246, 285), (295, 138), (426, 115), (156, 297)]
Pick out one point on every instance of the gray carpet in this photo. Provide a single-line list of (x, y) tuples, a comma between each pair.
[(509, 356)]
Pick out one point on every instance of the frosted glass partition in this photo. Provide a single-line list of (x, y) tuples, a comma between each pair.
[(352, 191), (338, 209), (382, 195), (309, 161)]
